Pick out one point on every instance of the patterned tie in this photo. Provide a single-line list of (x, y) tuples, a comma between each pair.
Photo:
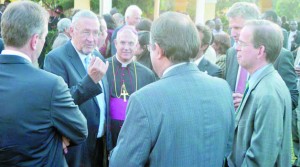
[(242, 81), (87, 61)]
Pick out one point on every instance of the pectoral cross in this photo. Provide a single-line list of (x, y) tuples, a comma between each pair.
[(124, 94)]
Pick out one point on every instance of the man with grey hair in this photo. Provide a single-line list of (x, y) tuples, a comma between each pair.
[(236, 75), (36, 106), (262, 135), (119, 19), (132, 17), (63, 28), (165, 125), (81, 67)]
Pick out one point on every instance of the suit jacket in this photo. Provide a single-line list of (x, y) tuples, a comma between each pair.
[(263, 124), (283, 64), (166, 126), (36, 111), (209, 68), (65, 62), (60, 40)]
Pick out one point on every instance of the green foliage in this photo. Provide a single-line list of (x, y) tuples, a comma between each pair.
[(145, 5), (288, 8)]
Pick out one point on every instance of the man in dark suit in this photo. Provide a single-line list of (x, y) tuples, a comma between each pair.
[(203, 64), (165, 125), (83, 71), (262, 135), (294, 36), (36, 106), (237, 15)]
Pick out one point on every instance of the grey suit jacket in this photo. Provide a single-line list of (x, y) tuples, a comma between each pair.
[(209, 68), (65, 62), (283, 64), (263, 124), (36, 111), (166, 126)]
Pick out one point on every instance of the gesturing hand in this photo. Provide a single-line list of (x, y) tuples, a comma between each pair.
[(97, 69), (65, 143)]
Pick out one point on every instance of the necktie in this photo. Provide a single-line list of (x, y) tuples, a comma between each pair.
[(87, 61), (242, 81), (244, 95)]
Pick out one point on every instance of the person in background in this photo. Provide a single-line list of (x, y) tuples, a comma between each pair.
[(221, 44), (142, 54), (119, 19), (200, 60), (111, 26), (63, 28), (38, 117), (144, 25), (132, 17)]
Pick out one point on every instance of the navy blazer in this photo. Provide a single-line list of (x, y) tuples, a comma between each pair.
[(65, 62), (36, 111)]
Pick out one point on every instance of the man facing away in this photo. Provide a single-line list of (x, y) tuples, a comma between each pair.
[(262, 135), (84, 72), (36, 106), (183, 119)]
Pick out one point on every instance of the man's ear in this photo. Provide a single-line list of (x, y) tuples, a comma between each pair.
[(34, 41), (261, 51), (160, 51)]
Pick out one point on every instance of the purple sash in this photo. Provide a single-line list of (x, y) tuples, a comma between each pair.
[(118, 108)]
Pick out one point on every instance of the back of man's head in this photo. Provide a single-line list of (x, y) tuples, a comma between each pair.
[(63, 24), (267, 34), (177, 36), (206, 34), (20, 21), (245, 10)]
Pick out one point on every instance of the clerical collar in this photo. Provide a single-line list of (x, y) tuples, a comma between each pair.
[(17, 53), (123, 64), (172, 67)]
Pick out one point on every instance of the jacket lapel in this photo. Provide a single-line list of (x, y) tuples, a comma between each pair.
[(75, 60), (266, 72)]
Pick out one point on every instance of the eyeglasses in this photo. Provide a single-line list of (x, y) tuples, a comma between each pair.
[(87, 33)]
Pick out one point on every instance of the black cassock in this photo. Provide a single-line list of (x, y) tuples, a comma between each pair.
[(123, 81)]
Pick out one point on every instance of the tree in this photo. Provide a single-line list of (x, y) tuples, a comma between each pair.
[(288, 8)]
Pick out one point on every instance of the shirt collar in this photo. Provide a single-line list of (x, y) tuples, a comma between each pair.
[(172, 67), (17, 53), (256, 74), (197, 61)]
